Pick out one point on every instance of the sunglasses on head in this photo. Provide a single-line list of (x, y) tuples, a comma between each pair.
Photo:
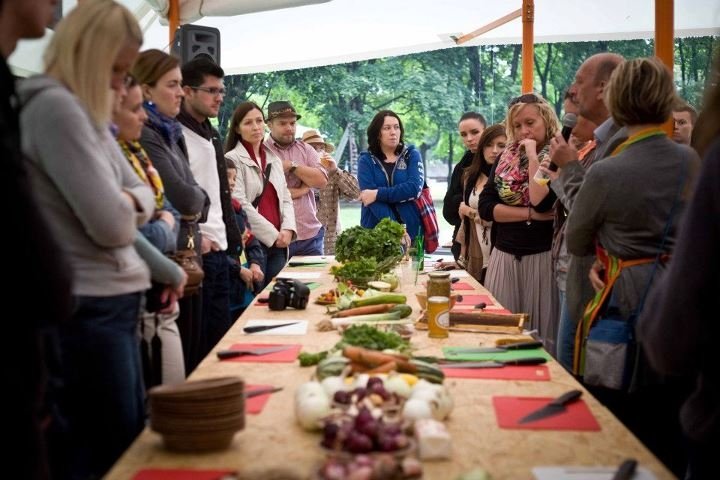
[(525, 98)]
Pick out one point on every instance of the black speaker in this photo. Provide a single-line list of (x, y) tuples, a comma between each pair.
[(192, 41)]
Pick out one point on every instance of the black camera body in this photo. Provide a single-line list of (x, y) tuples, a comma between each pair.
[(288, 292)]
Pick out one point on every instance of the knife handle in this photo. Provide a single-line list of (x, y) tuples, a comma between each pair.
[(626, 470), (523, 345), (526, 361), (225, 354), (567, 397)]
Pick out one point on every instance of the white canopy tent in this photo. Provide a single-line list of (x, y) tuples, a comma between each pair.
[(326, 32)]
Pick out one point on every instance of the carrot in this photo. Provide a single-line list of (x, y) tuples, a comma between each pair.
[(384, 368), (370, 309), (369, 358), (356, 367)]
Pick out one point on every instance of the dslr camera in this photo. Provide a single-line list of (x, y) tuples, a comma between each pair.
[(288, 292)]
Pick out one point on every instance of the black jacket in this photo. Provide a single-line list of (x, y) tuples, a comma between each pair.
[(454, 194)]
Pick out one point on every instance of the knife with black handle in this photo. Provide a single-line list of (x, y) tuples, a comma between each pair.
[(553, 408), (262, 328), (626, 471)]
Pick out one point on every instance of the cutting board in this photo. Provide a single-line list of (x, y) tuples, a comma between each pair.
[(456, 353), (283, 356), (255, 405), (521, 372), (577, 416)]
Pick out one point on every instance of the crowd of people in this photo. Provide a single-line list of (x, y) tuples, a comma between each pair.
[(115, 167)]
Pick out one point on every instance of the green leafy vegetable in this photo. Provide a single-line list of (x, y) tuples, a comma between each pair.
[(309, 359), (368, 336), (380, 243)]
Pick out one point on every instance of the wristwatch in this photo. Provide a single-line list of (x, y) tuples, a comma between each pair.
[(293, 166)]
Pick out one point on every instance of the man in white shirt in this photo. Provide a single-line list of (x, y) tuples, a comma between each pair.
[(204, 91)]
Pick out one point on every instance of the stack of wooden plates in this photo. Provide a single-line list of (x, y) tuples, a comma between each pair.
[(198, 416)]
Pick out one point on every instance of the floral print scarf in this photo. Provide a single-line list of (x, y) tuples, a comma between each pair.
[(511, 175)]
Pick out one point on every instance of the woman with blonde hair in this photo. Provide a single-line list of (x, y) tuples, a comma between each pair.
[(94, 203), (160, 80), (628, 211), (519, 273)]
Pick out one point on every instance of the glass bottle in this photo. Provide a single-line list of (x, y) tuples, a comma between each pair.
[(438, 313)]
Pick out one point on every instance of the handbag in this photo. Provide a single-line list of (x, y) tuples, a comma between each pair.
[(188, 260), (428, 218)]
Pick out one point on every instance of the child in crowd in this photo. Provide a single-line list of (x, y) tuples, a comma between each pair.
[(245, 270)]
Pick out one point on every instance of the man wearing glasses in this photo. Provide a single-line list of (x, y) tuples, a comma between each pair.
[(204, 93)]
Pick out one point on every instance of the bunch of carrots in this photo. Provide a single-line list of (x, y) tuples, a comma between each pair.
[(363, 360)]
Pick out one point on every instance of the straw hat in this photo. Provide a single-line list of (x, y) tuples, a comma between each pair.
[(313, 136)]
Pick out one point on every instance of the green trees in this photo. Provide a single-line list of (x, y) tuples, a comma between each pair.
[(431, 90)]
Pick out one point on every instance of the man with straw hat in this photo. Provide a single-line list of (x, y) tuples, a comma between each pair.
[(339, 183)]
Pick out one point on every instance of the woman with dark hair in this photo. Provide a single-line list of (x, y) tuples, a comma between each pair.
[(520, 273), (261, 188), (470, 127), (390, 175), (160, 79), (474, 233)]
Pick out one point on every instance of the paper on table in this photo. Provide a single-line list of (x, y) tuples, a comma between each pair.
[(299, 328), (511, 372), (303, 275), (312, 258), (458, 274), (586, 473)]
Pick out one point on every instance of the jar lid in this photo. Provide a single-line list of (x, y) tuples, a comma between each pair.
[(438, 299), (439, 275)]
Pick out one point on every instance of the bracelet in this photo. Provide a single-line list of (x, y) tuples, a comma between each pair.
[(529, 219)]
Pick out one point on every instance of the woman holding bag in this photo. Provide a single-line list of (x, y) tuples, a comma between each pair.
[(160, 80)]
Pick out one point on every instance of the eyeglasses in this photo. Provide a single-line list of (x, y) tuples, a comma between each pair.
[(211, 90), (526, 98)]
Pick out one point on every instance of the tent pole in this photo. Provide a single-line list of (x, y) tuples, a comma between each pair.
[(528, 17), (173, 18), (665, 41)]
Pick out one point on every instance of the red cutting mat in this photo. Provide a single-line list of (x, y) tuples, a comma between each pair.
[(462, 286), (509, 410), (283, 356), (179, 474), (519, 372), (255, 405), (469, 301)]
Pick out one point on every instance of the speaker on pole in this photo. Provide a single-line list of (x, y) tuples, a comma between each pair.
[(193, 41)]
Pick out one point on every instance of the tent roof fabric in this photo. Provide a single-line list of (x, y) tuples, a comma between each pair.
[(339, 31)]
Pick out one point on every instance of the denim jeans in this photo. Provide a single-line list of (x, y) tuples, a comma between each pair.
[(566, 335), (102, 398), (311, 246), (215, 300), (275, 260)]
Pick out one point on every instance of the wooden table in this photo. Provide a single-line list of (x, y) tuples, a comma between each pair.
[(274, 439)]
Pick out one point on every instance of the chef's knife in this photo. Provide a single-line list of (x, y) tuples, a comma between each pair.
[(262, 328), (262, 391), (495, 363), (553, 408), (503, 348), (225, 354), (626, 471)]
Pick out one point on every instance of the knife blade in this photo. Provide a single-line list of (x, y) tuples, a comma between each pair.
[(262, 391), (262, 328), (626, 471), (225, 354), (495, 363), (500, 349), (553, 408)]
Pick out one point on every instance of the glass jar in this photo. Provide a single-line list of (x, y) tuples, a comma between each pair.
[(438, 314), (438, 284)]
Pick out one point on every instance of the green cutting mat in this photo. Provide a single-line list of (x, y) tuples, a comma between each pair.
[(456, 353)]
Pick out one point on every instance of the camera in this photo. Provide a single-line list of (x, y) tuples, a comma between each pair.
[(288, 292)]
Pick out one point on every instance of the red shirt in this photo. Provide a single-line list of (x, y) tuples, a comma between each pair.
[(269, 205)]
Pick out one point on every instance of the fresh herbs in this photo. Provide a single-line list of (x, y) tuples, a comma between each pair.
[(365, 336), (380, 243), (365, 268)]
